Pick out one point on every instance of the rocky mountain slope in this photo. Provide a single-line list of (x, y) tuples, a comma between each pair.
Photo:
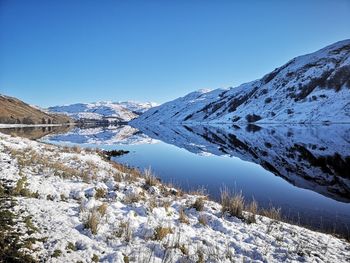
[(309, 88), (15, 111), (112, 111)]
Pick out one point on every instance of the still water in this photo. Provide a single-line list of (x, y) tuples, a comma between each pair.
[(304, 170)]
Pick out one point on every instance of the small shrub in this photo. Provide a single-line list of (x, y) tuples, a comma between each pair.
[(161, 232), (199, 204)]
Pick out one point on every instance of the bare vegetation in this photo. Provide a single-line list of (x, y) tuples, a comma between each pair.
[(199, 204), (150, 179), (161, 232), (183, 217), (232, 204), (92, 221)]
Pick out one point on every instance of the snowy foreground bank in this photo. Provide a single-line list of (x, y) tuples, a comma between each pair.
[(71, 205)]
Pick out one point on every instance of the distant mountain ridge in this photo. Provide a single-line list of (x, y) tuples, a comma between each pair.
[(112, 111), (310, 88), (15, 111)]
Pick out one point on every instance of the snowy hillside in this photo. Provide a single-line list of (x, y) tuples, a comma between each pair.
[(138, 107), (113, 111), (309, 88), (71, 205)]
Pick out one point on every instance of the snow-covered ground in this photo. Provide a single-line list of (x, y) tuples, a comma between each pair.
[(86, 209)]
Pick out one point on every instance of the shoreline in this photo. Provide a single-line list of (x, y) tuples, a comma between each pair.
[(67, 191)]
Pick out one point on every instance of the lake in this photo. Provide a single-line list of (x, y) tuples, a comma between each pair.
[(304, 170)]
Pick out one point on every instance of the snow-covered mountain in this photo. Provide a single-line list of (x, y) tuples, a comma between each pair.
[(309, 88), (113, 111), (138, 107), (313, 157)]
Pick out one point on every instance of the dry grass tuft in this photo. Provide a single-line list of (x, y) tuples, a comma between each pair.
[(124, 231), (183, 217), (252, 209), (100, 193), (93, 221), (272, 212), (161, 232), (102, 209), (234, 205), (199, 204), (150, 179), (132, 198), (202, 219)]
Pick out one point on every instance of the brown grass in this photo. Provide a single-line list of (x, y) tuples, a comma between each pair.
[(102, 209), (161, 232), (150, 179), (132, 198), (252, 209), (124, 231), (199, 204), (233, 205), (100, 193), (183, 217), (202, 219), (93, 221), (272, 212)]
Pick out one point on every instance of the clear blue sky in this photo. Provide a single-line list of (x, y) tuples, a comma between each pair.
[(66, 51)]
